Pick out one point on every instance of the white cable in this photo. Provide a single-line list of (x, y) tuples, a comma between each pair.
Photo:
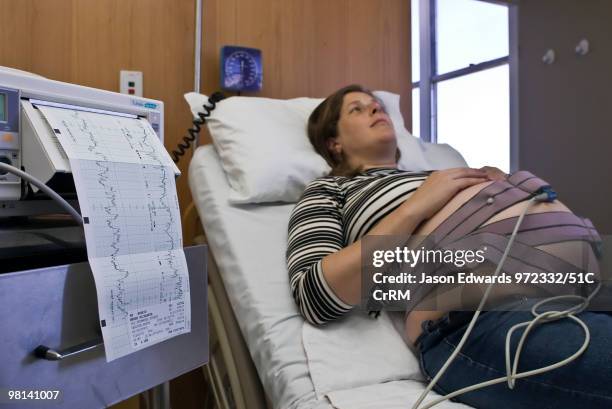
[(544, 317), (433, 382), (50, 192)]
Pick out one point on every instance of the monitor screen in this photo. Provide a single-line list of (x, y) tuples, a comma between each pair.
[(2, 107)]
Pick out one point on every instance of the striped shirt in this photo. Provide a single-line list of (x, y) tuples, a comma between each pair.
[(333, 213)]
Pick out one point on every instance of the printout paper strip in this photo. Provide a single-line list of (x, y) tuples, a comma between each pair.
[(125, 185)]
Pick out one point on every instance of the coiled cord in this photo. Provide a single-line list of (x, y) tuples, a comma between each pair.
[(194, 131)]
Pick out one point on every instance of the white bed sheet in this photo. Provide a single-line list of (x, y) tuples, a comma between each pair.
[(248, 243), (240, 237)]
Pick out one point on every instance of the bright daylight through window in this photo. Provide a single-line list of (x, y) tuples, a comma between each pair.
[(462, 65)]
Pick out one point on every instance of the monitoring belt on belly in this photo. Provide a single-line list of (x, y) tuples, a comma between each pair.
[(464, 230), (539, 229)]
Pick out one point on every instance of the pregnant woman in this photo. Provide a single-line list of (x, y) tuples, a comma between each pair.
[(366, 194)]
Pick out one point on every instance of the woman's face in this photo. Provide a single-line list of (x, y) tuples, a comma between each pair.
[(365, 132)]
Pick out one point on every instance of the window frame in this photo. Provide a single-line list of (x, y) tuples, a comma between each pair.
[(427, 65)]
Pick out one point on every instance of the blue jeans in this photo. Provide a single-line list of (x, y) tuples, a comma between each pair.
[(585, 383)]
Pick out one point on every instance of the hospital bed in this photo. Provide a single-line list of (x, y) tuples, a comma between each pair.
[(262, 353)]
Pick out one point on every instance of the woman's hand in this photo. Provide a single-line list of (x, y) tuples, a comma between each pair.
[(494, 173), (440, 187)]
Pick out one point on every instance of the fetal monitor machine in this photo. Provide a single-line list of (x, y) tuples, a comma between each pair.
[(28, 143)]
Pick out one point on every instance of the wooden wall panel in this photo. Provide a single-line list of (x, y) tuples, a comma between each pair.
[(49, 34), (88, 42), (312, 47)]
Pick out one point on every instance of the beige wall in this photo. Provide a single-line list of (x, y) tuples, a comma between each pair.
[(565, 108)]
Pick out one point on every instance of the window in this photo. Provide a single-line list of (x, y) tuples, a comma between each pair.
[(462, 82)]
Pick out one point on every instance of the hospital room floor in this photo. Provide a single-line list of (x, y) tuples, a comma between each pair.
[(188, 391)]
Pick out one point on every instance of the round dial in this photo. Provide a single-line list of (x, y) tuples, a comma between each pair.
[(241, 70)]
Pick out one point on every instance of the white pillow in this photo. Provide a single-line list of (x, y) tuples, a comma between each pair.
[(442, 156), (263, 146), (265, 151)]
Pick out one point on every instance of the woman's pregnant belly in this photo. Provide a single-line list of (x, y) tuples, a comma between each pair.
[(416, 317)]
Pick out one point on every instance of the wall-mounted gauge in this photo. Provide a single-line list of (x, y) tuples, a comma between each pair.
[(241, 69)]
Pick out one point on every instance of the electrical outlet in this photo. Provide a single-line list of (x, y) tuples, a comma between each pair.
[(130, 82)]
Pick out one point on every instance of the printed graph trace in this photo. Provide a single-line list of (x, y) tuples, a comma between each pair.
[(127, 195)]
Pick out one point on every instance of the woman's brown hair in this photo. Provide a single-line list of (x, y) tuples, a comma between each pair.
[(323, 126)]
